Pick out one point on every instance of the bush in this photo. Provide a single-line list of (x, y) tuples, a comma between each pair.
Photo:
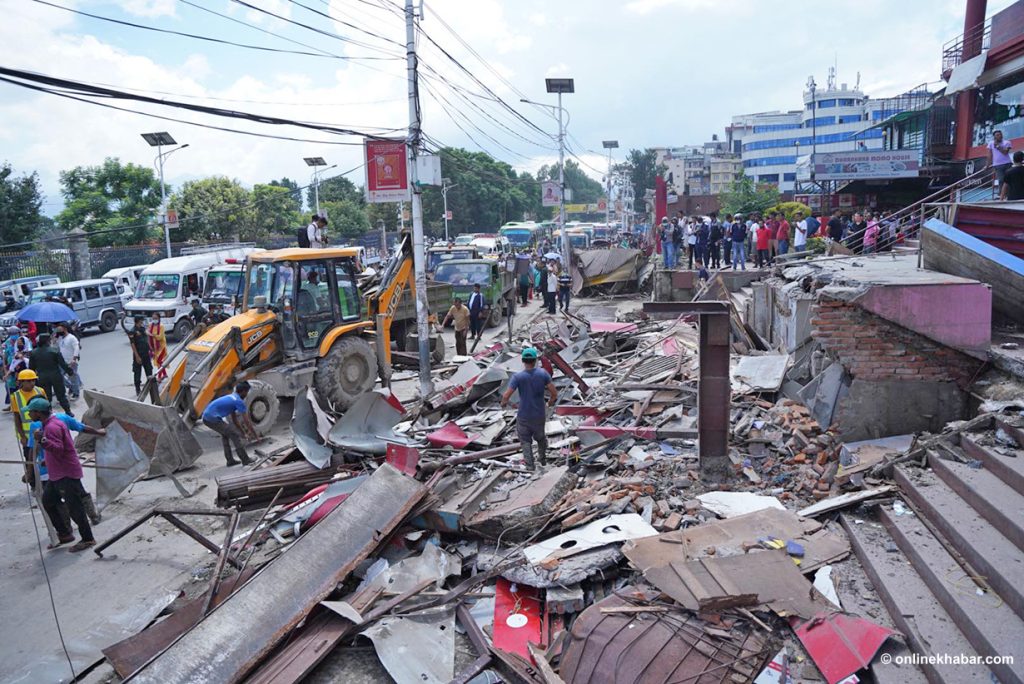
[(816, 245), (789, 209)]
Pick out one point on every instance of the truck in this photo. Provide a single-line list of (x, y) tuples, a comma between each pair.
[(169, 285), (496, 279), (442, 253), (225, 284)]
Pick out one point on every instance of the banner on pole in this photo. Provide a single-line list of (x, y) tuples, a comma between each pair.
[(550, 193), (387, 174)]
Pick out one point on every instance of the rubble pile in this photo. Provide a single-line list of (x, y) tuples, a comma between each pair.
[(416, 528)]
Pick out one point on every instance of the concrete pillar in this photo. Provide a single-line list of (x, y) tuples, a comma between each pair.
[(81, 262), (713, 398), (974, 18)]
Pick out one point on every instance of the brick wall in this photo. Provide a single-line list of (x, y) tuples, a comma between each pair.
[(872, 348)]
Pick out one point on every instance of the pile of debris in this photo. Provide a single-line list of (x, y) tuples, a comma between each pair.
[(417, 528)]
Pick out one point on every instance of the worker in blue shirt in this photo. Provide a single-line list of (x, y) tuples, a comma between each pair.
[(217, 415)]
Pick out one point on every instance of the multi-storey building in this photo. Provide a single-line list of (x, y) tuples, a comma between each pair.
[(725, 168)]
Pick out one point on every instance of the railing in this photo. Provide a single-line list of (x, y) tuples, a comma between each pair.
[(976, 39), (907, 222)]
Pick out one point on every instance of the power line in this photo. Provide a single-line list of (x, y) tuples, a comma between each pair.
[(350, 25), (266, 102), (86, 89), (194, 36)]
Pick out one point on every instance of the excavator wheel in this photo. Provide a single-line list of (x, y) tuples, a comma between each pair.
[(348, 370), (263, 406)]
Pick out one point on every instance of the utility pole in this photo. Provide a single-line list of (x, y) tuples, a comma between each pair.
[(418, 255), (566, 256), (159, 140)]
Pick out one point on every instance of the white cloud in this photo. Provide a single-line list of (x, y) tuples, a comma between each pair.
[(643, 7), (538, 19), (560, 69), (148, 8)]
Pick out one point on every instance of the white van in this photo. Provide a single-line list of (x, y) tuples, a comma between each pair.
[(127, 276), (169, 285), (492, 246), (224, 285)]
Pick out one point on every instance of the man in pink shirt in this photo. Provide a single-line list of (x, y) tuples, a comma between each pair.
[(65, 473)]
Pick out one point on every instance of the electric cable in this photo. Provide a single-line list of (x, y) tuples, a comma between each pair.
[(195, 36), (348, 24)]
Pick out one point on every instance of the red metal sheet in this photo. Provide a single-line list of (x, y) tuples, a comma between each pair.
[(450, 434), (841, 644), (518, 610), (610, 326), (405, 458)]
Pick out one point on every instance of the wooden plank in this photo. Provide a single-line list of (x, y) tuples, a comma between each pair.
[(242, 630)]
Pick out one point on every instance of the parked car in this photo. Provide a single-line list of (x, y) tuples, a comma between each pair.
[(96, 301), (14, 294), (126, 276)]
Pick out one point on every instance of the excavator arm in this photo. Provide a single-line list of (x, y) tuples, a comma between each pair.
[(396, 278)]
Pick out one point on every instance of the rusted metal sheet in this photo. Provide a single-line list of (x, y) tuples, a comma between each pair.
[(241, 631), (655, 647), (128, 655)]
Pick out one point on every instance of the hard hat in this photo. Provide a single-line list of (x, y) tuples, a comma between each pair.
[(14, 330), (27, 375), (39, 404), (529, 354)]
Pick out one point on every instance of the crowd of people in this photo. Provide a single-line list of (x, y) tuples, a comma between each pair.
[(730, 241)]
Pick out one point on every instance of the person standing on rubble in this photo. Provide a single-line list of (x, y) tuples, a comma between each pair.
[(551, 288), (532, 383), (477, 312), (459, 316), (216, 417)]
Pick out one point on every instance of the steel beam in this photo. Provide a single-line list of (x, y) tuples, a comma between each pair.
[(714, 392)]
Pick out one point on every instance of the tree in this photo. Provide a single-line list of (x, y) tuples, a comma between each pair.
[(337, 189), (214, 208), (384, 211), (20, 204), (345, 218), (275, 211), (585, 190), (110, 197), (745, 196), (642, 168)]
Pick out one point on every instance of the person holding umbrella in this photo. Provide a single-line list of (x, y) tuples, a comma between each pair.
[(48, 363)]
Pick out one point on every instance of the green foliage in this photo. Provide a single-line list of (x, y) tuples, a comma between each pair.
[(20, 203), (275, 211), (486, 193), (745, 197), (386, 212), (345, 218), (642, 168), (585, 190), (337, 189), (215, 208), (789, 209), (110, 196), (816, 245)]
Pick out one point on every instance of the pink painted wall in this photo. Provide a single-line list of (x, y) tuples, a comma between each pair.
[(959, 315)]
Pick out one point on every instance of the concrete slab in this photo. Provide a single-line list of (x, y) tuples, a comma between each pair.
[(988, 623), (924, 623), (988, 551)]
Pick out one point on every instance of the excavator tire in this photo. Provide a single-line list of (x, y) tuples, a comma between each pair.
[(348, 370), (263, 405)]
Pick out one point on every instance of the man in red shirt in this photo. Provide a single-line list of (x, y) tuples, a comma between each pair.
[(764, 240), (782, 234), (771, 221), (65, 473)]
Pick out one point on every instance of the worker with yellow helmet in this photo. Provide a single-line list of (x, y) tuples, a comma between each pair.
[(20, 398)]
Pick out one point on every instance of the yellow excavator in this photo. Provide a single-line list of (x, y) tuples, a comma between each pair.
[(305, 320)]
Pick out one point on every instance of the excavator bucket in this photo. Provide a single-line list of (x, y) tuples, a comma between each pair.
[(158, 430)]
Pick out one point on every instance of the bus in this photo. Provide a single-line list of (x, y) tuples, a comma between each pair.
[(522, 234)]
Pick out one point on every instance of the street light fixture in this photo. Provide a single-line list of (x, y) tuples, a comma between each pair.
[(159, 140), (609, 145), (316, 163), (446, 185), (560, 86)]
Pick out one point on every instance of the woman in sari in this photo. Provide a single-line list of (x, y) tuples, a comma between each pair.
[(158, 345)]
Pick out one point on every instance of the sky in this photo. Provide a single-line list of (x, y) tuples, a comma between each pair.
[(647, 73)]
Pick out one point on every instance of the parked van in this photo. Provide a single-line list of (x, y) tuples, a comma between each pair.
[(126, 276), (224, 285), (95, 301), (492, 246), (169, 285)]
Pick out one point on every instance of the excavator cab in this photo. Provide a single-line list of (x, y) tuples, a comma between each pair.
[(310, 296)]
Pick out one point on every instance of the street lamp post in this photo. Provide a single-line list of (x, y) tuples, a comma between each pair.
[(560, 86), (158, 140), (446, 185), (609, 145), (316, 163), (383, 240)]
